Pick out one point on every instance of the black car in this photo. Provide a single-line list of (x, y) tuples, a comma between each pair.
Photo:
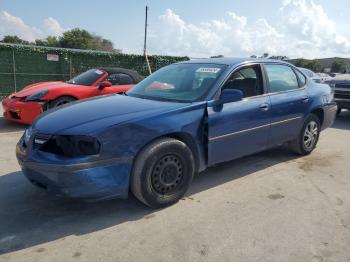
[(341, 87)]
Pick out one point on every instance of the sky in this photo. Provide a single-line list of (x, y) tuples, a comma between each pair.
[(194, 28)]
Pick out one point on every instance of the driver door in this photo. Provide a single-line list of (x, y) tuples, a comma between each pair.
[(240, 128)]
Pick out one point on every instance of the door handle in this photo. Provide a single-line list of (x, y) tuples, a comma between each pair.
[(305, 99), (264, 107)]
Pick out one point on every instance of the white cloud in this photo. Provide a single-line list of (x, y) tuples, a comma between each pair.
[(53, 27), (304, 29), (13, 25), (310, 28)]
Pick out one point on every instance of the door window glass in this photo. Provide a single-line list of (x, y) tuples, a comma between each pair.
[(248, 80), (281, 78)]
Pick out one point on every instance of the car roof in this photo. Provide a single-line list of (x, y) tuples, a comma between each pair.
[(231, 61)]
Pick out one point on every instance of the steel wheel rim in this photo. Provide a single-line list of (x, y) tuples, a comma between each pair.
[(167, 174), (310, 135)]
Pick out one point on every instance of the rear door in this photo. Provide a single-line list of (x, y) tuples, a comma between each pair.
[(240, 128), (289, 102)]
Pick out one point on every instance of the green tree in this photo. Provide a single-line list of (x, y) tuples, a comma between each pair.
[(314, 65), (300, 62), (49, 41), (13, 39), (339, 66), (82, 39), (78, 38)]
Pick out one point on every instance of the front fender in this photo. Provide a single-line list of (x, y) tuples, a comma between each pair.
[(126, 140)]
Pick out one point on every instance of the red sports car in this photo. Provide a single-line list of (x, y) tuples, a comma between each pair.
[(27, 104)]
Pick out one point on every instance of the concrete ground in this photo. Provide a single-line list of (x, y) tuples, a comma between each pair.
[(273, 206)]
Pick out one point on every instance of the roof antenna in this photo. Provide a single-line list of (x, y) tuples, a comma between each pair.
[(145, 43)]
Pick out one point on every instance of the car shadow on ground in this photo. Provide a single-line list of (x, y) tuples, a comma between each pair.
[(29, 216), (8, 127), (343, 121)]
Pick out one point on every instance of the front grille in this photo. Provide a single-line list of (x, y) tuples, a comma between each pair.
[(343, 86), (14, 115), (40, 140), (342, 93), (341, 96)]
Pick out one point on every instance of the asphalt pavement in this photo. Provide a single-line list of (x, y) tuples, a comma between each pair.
[(272, 206)]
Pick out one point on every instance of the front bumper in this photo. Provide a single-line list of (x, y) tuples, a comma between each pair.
[(21, 112), (95, 180)]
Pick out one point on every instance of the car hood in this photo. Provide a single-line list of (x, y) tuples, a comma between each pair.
[(37, 87), (103, 111)]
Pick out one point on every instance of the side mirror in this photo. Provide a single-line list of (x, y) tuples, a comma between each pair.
[(229, 96), (104, 84)]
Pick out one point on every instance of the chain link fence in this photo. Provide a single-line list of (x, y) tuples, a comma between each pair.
[(21, 65)]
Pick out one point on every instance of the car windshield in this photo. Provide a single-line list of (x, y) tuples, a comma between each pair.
[(178, 82), (87, 78)]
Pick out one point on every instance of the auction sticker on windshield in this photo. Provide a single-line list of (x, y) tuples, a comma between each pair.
[(208, 70)]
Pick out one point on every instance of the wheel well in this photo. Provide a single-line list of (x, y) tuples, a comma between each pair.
[(320, 114), (63, 96), (185, 138), (189, 141)]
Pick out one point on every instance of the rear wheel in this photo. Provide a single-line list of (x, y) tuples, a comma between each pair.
[(61, 101), (162, 172), (308, 137)]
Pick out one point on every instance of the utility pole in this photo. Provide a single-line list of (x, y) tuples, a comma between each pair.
[(145, 42)]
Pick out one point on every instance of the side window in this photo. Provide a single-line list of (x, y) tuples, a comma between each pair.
[(120, 79), (248, 80), (281, 78), (125, 79), (301, 77), (113, 78)]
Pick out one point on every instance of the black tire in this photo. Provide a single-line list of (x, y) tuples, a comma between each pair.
[(62, 100), (162, 172), (301, 145), (339, 111)]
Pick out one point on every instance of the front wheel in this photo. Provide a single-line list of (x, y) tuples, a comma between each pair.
[(162, 172), (60, 101), (308, 137)]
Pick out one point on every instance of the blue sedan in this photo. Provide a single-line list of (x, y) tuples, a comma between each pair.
[(180, 120)]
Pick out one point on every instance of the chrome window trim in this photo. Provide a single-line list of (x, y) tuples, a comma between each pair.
[(275, 93), (288, 91), (253, 128)]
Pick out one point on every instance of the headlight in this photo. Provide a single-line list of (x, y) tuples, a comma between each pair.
[(37, 96), (27, 134), (72, 146)]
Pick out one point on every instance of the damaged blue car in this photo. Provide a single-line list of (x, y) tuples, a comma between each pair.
[(177, 122)]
